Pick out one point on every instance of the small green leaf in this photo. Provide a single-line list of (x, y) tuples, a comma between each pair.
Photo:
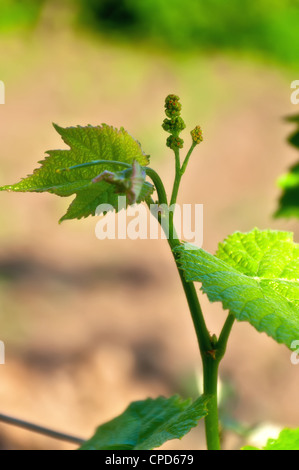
[(87, 144), (88, 200), (256, 277), (128, 182), (147, 424), (288, 439)]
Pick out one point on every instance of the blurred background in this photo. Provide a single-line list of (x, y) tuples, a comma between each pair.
[(90, 326)]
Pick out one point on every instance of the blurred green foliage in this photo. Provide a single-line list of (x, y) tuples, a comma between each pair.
[(289, 183), (19, 14), (268, 27)]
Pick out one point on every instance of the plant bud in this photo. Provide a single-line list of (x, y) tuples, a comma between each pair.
[(196, 135), (172, 106), (174, 142), (174, 125)]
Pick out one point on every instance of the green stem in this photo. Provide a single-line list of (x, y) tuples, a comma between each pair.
[(202, 333), (210, 380), (224, 335), (210, 371), (186, 161), (162, 197), (203, 336), (177, 160), (178, 176), (209, 360), (40, 429), (179, 171), (211, 353)]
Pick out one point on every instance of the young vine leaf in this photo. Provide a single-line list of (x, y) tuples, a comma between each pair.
[(289, 183), (89, 144), (256, 277), (288, 439), (147, 424)]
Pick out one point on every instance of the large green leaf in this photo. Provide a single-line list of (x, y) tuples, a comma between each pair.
[(288, 439), (86, 144), (147, 424), (256, 277), (289, 183)]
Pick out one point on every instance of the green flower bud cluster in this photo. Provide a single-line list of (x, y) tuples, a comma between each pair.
[(174, 142), (173, 124), (196, 135), (172, 106)]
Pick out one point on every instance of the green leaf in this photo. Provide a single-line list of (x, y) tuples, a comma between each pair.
[(256, 277), (288, 439), (147, 424), (289, 183), (87, 144)]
